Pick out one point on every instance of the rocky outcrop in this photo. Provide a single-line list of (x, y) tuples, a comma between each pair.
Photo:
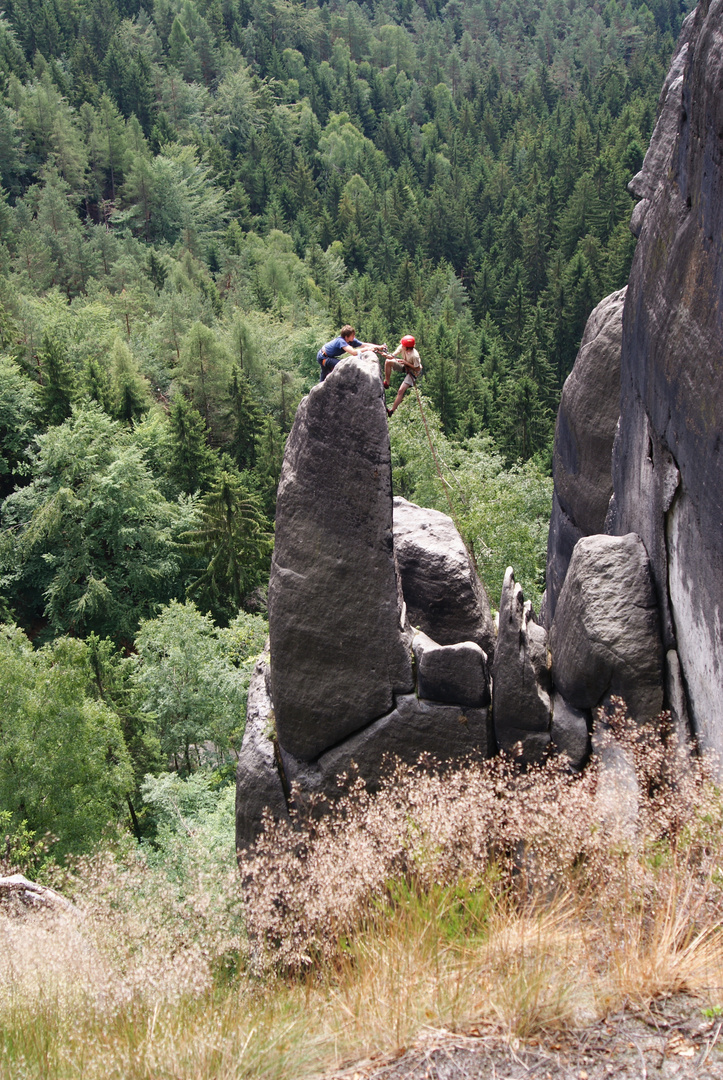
[(338, 645), (521, 679), (456, 674), (584, 434), (442, 590), (668, 460), (659, 156), (344, 667), (442, 733), (258, 782), (605, 637), (570, 731)]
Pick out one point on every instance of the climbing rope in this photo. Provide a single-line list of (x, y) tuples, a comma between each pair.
[(444, 482)]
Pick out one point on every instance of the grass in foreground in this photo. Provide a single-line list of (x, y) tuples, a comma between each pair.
[(483, 899)]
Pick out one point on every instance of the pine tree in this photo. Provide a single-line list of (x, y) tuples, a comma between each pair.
[(58, 391), (192, 462), (247, 420), (233, 538)]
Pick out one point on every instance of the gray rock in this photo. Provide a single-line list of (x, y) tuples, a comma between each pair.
[(677, 703), (258, 784), (584, 435), (447, 733), (605, 636), (520, 677), (617, 796), (442, 590), (561, 540), (638, 216), (672, 383), (659, 155), (338, 647), (569, 731), (456, 674)]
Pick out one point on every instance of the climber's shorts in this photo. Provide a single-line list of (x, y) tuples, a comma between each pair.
[(409, 379)]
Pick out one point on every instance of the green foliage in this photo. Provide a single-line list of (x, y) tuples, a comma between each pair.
[(233, 540), (501, 512), (190, 685), (191, 462), (19, 415), (193, 199), (192, 817), (92, 540), (64, 767)]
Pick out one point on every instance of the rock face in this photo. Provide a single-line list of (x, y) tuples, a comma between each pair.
[(338, 647), (605, 637), (570, 731), (584, 434), (456, 674), (668, 460), (521, 679), (342, 674), (446, 733), (258, 783), (659, 157), (444, 596)]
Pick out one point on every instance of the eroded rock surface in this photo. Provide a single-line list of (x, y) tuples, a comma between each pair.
[(521, 678), (456, 674), (605, 637), (660, 151), (338, 647), (446, 733), (258, 783), (442, 590), (668, 464), (584, 435)]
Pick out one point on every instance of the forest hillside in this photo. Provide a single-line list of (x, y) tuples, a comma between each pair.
[(195, 196)]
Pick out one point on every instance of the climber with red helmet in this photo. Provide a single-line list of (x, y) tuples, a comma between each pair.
[(408, 362)]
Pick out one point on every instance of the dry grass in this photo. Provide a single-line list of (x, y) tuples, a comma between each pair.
[(488, 899)]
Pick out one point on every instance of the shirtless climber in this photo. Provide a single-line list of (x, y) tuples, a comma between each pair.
[(408, 362), (330, 354)]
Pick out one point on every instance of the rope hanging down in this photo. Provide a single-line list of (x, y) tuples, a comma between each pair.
[(444, 482)]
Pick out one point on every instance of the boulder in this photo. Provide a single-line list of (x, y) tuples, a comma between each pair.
[(570, 731), (447, 733), (258, 783), (338, 645), (442, 590), (456, 674), (520, 677), (617, 796), (605, 636), (668, 460), (584, 434)]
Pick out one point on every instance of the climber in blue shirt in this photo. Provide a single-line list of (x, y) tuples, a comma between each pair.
[(346, 343)]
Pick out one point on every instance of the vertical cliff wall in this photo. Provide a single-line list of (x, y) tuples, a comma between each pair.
[(667, 460)]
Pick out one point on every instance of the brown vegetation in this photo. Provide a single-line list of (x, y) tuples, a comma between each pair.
[(489, 898)]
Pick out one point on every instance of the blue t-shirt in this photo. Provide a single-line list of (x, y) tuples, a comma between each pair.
[(336, 347)]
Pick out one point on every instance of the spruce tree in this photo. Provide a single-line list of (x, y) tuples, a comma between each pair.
[(192, 462), (57, 392), (247, 420)]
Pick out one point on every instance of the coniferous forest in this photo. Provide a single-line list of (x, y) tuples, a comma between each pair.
[(196, 194)]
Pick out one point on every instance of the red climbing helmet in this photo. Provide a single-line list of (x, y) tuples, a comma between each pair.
[(408, 341)]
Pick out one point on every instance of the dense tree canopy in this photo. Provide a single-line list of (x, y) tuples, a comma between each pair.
[(193, 197)]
